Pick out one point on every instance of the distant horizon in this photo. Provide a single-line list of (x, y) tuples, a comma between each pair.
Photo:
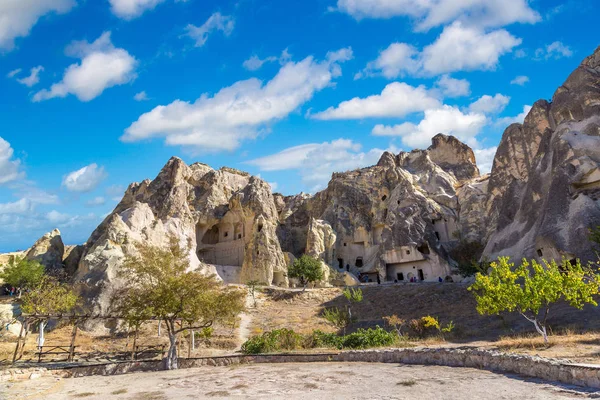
[(97, 95)]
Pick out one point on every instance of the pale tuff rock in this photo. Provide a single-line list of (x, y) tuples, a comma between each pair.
[(395, 221), (48, 251), (545, 183), (454, 157), (226, 217)]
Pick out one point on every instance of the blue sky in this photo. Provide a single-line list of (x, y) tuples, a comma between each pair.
[(96, 94)]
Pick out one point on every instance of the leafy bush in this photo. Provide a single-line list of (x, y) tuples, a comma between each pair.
[(276, 340), (338, 318), (285, 339), (431, 322), (320, 339), (367, 338), (353, 295), (428, 324)]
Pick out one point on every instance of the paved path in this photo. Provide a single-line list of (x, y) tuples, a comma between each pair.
[(297, 381)]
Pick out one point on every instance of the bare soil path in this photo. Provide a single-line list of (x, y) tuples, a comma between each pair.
[(298, 381)]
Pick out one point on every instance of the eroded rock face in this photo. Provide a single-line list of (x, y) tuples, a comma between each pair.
[(454, 157), (48, 251), (226, 218), (544, 189), (394, 221)]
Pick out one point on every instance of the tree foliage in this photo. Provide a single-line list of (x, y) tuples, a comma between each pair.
[(159, 284), (22, 274), (532, 288), (306, 269), (49, 297)]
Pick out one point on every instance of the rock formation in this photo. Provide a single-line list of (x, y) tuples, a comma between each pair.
[(544, 189), (48, 251), (227, 218), (395, 221)]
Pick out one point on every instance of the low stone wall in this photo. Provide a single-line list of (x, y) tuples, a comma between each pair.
[(530, 366)]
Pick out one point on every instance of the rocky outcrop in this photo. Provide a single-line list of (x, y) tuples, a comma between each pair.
[(393, 221), (225, 217), (48, 251), (454, 157), (544, 189)]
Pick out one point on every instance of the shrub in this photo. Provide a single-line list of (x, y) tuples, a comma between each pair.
[(285, 339), (428, 324), (395, 322), (338, 318), (367, 338), (276, 340), (319, 339)]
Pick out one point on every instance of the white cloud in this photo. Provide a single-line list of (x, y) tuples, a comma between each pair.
[(238, 112), (431, 13), (396, 100), (63, 220), (485, 159), (520, 80), (451, 87), (141, 96), (10, 168), (274, 186), (520, 53), (458, 48), (96, 201), (22, 206), (130, 9), (33, 78), (85, 179), (102, 66), (506, 121), (56, 217), (216, 22), (14, 73), (17, 17), (28, 190), (490, 105), (255, 63), (461, 48), (446, 119), (396, 60), (554, 50), (316, 162)]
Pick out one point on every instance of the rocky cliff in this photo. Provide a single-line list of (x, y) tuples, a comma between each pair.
[(544, 189), (396, 221)]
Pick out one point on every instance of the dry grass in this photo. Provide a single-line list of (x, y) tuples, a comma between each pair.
[(93, 346)]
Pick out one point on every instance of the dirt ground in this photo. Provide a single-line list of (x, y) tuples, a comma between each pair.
[(298, 381)]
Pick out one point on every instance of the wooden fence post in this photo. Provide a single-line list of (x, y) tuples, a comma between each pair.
[(72, 347)]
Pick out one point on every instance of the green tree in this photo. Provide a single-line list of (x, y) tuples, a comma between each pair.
[(342, 318), (22, 274), (252, 285), (48, 297), (532, 288), (160, 285), (307, 269)]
